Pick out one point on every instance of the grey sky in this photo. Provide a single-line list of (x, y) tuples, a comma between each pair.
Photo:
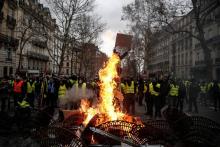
[(111, 12)]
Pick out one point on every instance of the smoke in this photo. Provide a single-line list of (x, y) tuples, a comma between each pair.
[(75, 94)]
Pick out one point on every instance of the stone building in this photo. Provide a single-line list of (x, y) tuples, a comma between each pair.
[(185, 56), (8, 41), (36, 33), (26, 37)]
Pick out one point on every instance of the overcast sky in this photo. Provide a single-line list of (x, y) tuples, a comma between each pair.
[(111, 12)]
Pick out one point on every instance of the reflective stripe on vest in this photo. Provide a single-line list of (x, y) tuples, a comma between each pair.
[(84, 90), (30, 88), (18, 86), (62, 90), (130, 89), (152, 91), (203, 89), (174, 90)]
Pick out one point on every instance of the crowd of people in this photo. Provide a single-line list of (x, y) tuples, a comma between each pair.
[(180, 94), (152, 93)]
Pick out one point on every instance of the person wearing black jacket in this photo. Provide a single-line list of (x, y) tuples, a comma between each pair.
[(193, 95), (182, 95), (4, 89), (164, 90), (216, 95), (140, 91)]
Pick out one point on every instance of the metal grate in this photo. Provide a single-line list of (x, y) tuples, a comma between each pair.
[(197, 130), (118, 128), (55, 136), (73, 120)]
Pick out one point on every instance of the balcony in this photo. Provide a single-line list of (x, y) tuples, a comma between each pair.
[(8, 40), (202, 62), (1, 17), (37, 56), (40, 44), (11, 22)]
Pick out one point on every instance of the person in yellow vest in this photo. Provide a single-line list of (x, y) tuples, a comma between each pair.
[(203, 93), (154, 98), (140, 91), (30, 92), (82, 86), (62, 93), (173, 94), (129, 100)]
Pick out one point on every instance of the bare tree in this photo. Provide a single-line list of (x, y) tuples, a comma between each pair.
[(141, 24), (164, 13), (27, 30), (66, 13), (87, 30)]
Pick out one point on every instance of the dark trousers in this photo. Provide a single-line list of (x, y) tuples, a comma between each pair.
[(157, 104), (203, 98), (129, 103), (180, 104), (30, 99), (216, 102), (17, 98), (51, 100), (3, 103), (193, 102), (140, 98), (173, 101), (149, 102)]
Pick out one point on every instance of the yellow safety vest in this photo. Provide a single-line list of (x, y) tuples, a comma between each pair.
[(71, 81), (145, 88), (210, 85), (62, 90), (174, 90), (24, 104), (123, 89), (203, 88), (152, 91), (84, 90), (30, 88), (130, 89)]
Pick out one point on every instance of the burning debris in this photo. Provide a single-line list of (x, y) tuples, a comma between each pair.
[(104, 122), (106, 105)]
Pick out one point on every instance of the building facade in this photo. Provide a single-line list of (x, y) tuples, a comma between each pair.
[(26, 37), (8, 41), (184, 52), (36, 30)]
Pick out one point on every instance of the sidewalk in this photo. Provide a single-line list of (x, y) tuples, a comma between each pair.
[(207, 112)]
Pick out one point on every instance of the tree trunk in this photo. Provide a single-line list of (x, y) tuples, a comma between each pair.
[(202, 40)]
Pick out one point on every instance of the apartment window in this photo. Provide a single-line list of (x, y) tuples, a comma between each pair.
[(186, 58), (67, 64), (178, 59), (11, 71), (182, 59), (5, 71), (9, 54), (67, 71)]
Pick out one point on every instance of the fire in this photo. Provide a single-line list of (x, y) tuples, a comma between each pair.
[(105, 106)]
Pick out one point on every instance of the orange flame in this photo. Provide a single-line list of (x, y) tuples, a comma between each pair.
[(105, 106), (107, 77)]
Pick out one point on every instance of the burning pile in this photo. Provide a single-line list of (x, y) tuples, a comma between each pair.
[(105, 105)]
